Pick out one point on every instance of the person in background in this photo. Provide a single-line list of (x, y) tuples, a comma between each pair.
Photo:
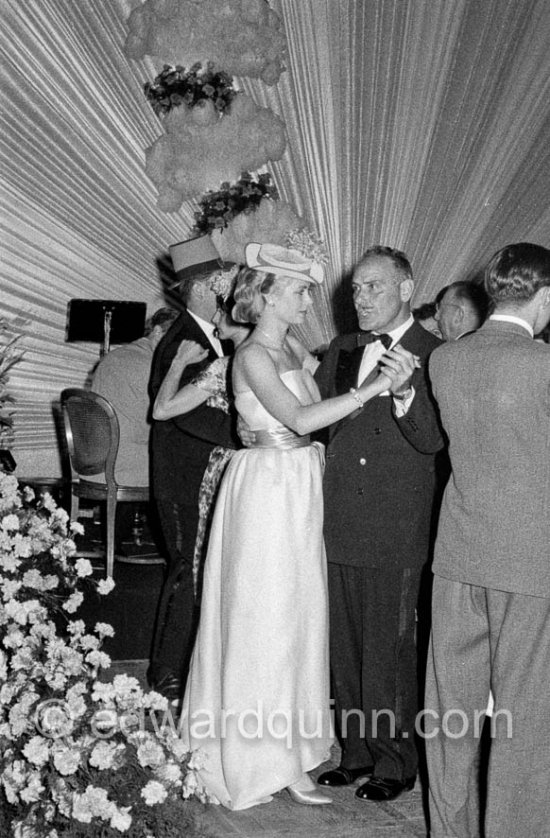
[(122, 377), (213, 387), (180, 450), (425, 315), (491, 588), (378, 491), (460, 309)]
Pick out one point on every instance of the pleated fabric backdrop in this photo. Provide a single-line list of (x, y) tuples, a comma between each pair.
[(421, 124)]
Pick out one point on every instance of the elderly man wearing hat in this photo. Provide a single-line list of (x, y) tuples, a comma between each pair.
[(180, 449)]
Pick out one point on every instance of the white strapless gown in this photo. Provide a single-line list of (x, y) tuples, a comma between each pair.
[(257, 698)]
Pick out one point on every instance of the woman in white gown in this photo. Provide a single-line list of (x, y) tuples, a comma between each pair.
[(257, 697)]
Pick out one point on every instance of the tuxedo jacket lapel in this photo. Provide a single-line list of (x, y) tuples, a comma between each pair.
[(347, 368)]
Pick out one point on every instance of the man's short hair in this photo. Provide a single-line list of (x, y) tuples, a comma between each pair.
[(424, 311), (517, 272), (400, 261), (471, 293), (186, 285), (163, 317)]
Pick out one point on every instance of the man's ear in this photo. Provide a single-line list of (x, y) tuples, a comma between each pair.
[(459, 314), (197, 290), (406, 288), (542, 296)]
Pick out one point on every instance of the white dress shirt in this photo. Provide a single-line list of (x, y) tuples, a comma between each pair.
[(208, 329), (372, 355), (510, 318)]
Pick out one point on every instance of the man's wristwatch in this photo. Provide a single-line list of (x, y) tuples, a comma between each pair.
[(406, 394)]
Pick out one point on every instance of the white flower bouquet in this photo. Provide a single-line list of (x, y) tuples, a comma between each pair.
[(79, 756)]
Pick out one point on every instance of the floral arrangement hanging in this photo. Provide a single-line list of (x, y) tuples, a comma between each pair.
[(10, 335), (175, 86), (245, 211), (219, 207), (79, 757), (245, 37), (199, 150)]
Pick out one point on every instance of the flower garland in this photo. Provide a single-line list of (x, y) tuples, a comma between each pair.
[(220, 207), (176, 86), (79, 757)]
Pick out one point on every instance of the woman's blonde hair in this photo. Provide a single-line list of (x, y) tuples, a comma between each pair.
[(250, 290)]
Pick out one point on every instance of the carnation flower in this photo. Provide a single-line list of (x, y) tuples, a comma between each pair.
[(33, 789), (83, 567), (105, 586), (74, 602), (121, 819), (37, 750), (154, 792), (66, 760), (150, 753), (104, 753), (104, 630), (10, 523)]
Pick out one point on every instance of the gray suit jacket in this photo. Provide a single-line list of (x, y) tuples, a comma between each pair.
[(493, 390)]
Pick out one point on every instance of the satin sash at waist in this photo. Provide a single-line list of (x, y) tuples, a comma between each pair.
[(279, 438)]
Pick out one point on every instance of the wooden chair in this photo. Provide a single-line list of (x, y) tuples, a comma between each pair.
[(92, 435)]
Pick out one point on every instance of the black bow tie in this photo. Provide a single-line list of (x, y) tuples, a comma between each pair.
[(363, 338), (227, 347)]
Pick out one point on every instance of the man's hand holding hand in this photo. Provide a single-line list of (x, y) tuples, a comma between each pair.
[(398, 365)]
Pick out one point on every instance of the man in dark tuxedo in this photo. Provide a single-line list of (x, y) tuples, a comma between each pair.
[(379, 489), (180, 448), (491, 589)]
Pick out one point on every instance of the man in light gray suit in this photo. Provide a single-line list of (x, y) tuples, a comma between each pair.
[(491, 595)]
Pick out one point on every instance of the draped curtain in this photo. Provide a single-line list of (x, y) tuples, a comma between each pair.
[(418, 124)]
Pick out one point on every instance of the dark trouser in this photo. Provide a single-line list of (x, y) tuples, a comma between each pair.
[(374, 667), (177, 615), (485, 639)]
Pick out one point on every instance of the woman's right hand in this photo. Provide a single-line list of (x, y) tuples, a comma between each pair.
[(189, 352)]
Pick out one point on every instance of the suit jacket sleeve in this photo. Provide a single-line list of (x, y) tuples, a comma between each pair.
[(421, 425), (207, 423)]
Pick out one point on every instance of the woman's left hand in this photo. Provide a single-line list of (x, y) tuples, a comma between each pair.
[(189, 352)]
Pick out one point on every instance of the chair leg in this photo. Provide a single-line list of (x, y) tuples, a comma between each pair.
[(74, 506), (111, 517)]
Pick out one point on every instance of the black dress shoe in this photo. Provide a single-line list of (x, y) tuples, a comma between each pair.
[(169, 685), (344, 776), (378, 788)]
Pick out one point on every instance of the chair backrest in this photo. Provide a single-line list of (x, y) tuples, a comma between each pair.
[(91, 432)]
